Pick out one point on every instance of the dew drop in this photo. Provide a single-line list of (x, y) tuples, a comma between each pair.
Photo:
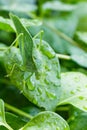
[(46, 81), (42, 98), (78, 89), (35, 101), (30, 85), (72, 92), (40, 90), (51, 95), (81, 97), (76, 79)]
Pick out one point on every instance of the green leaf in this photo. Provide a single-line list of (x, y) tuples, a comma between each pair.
[(2, 116), (58, 6), (14, 121), (2, 113), (79, 122), (41, 87), (82, 36), (46, 121), (80, 59), (74, 90), (25, 43), (14, 6), (6, 24)]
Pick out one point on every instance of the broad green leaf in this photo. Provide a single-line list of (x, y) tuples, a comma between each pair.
[(74, 90), (25, 43), (41, 87), (46, 121), (82, 36), (80, 59), (79, 122), (58, 5), (2, 116), (14, 6), (46, 83), (14, 121), (6, 24)]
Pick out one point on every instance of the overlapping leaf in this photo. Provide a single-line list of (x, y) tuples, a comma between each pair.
[(74, 90), (40, 83), (46, 121), (2, 116), (58, 6), (79, 122)]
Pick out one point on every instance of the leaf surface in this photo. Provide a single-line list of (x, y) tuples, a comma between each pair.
[(80, 59), (74, 89), (46, 121), (41, 84), (2, 116), (79, 122)]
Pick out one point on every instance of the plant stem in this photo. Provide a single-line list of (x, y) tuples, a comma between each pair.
[(16, 110), (61, 56)]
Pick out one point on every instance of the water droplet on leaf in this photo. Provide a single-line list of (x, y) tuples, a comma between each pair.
[(51, 95), (72, 92), (30, 85), (81, 97), (40, 90), (76, 79)]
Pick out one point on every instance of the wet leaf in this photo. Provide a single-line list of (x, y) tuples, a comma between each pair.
[(46, 121), (58, 5), (79, 122), (80, 59), (6, 24), (74, 90), (40, 86), (14, 121)]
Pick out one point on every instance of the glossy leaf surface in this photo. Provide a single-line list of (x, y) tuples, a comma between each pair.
[(41, 84), (74, 89), (46, 121)]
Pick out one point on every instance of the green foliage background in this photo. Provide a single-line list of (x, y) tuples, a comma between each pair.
[(43, 64)]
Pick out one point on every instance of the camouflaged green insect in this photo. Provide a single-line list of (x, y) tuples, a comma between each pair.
[(34, 68)]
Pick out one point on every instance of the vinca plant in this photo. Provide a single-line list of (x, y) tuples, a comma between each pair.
[(43, 65)]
